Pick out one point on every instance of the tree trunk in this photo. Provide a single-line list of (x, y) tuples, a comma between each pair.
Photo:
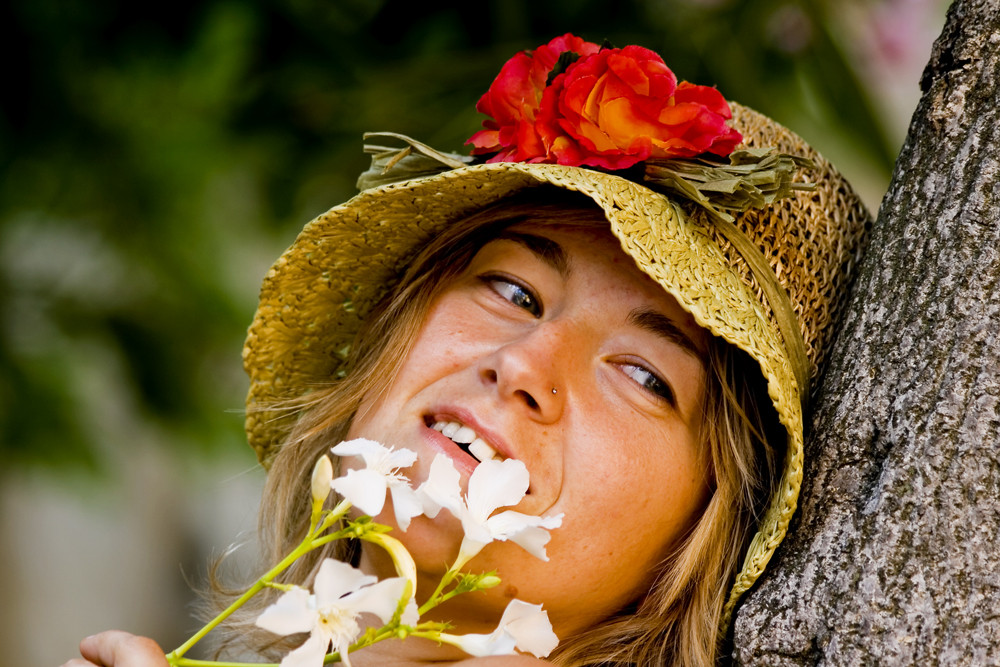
[(894, 557)]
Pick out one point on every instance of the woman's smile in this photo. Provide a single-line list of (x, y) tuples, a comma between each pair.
[(552, 348), (460, 428), (468, 440)]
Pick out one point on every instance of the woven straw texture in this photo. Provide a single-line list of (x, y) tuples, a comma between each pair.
[(315, 297)]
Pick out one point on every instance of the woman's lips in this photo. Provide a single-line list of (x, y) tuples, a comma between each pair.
[(462, 459), (456, 432)]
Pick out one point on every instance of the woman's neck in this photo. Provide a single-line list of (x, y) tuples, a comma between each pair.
[(409, 652), (416, 652)]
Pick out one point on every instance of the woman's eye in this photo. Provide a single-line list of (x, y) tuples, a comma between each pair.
[(517, 294), (649, 381)]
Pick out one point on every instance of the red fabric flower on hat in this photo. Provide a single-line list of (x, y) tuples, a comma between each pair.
[(611, 108), (622, 106), (512, 101)]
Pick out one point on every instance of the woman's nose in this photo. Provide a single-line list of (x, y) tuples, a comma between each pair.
[(533, 371)]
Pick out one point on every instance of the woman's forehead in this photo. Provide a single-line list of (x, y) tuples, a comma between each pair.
[(560, 242), (590, 239), (565, 236)]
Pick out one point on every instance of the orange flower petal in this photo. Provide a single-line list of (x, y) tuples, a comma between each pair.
[(706, 96)]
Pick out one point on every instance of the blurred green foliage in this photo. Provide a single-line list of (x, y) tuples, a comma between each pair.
[(156, 157)]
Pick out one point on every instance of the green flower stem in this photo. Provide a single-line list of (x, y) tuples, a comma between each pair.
[(394, 630), (436, 597), (434, 635), (440, 600), (332, 537), (308, 544)]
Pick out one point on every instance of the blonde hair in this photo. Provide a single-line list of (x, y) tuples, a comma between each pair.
[(678, 620)]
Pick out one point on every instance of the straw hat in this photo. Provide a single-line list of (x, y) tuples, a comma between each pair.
[(774, 288)]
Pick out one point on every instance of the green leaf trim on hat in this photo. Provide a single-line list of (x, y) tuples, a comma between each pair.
[(753, 177)]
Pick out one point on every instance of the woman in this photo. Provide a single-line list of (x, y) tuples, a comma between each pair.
[(577, 304)]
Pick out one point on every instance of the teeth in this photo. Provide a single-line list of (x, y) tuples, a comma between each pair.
[(464, 435), (482, 451)]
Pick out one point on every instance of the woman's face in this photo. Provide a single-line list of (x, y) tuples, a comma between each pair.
[(558, 352)]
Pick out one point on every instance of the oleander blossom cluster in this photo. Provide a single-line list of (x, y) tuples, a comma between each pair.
[(574, 103), (341, 594)]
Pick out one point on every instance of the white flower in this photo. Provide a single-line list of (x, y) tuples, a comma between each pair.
[(523, 626), (493, 484), (342, 594), (366, 488)]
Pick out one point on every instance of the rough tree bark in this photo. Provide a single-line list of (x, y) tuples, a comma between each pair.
[(895, 555)]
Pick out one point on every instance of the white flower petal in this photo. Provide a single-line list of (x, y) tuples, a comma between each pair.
[(405, 503), (469, 549), (527, 531), (495, 484), (380, 599), (442, 487), (289, 614), (335, 579), (363, 447), (497, 643), (377, 456), (529, 625), (476, 533), (523, 626), (411, 614), (430, 507), (401, 458), (345, 655), (533, 540), (364, 489), (310, 654)]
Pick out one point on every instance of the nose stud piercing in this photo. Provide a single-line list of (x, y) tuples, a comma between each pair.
[(554, 390)]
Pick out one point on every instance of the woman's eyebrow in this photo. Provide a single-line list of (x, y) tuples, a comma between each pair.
[(547, 250), (661, 325)]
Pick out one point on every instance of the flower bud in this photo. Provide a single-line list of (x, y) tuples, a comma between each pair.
[(401, 558), (321, 477)]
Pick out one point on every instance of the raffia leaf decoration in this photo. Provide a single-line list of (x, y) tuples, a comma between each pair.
[(413, 160), (754, 178)]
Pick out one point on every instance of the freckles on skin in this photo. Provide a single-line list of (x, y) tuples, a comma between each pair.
[(670, 504)]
